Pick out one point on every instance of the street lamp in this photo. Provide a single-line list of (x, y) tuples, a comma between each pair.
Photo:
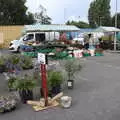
[(115, 38)]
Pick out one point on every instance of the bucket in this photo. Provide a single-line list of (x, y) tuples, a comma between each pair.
[(92, 52), (66, 101)]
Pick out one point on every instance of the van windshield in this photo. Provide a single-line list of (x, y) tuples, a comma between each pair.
[(28, 37)]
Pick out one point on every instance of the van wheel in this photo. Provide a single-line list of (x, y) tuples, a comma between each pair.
[(18, 50)]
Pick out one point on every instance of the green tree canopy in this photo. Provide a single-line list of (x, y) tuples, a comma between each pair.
[(99, 13), (14, 12), (79, 24)]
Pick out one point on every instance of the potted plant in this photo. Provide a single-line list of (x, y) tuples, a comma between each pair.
[(55, 80), (25, 86), (26, 62), (14, 59), (71, 67), (12, 83), (7, 104), (13, 63)]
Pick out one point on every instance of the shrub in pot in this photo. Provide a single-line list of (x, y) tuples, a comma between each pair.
[(25, 86), (18, 62), (12, 83), (13, 63), (7, 103), (71, 67), (55, 80), (26, 62), (14, 59)]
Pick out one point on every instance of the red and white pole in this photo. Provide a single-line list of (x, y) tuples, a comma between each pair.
[(44, 83)]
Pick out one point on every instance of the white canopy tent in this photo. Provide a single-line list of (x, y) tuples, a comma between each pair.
[(106, 29)]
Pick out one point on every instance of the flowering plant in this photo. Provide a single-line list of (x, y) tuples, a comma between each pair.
[(7, 103)]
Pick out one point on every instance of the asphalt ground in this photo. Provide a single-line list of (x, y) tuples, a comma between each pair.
[(96, 94)]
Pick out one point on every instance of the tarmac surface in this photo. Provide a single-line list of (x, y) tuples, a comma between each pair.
[(96, 94)]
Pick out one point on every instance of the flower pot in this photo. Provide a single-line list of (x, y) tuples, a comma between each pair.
[(56, 89), (26, 95), (66, 101), (2, 68), (70, 84), (41, 92), (6, 110)]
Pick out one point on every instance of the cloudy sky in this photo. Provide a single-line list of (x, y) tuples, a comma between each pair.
[(62, 10)]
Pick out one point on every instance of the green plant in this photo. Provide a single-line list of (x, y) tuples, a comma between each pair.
[(25, 83), (26, 62), (54, 78), (12, 63), (71, 67), (2, 61), (7, 103), (12, 82), (14, 59)]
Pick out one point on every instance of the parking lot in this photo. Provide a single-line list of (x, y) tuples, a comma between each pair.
[(96, 95)]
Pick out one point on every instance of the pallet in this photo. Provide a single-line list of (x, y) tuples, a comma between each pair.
[(38, 108)]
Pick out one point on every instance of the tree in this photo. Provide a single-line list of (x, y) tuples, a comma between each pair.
[(79, 24), (41, 16), (118, 20), (99, 13), (30, 18), (14, 12), (91, 15)]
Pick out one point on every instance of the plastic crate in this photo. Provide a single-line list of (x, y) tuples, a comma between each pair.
[(86, 54), (30, 54), (99, 54)]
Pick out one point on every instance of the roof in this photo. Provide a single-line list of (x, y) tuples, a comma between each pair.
[(50, 28), (87, 30), (106, 29)]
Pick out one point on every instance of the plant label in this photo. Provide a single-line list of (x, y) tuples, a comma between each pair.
[(41, 58)]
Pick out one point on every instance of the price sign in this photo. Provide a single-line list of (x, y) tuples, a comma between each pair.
[(41, 58), (78, 53)]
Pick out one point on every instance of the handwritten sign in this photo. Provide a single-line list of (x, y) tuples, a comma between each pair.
[(41, 58), (78, 53)]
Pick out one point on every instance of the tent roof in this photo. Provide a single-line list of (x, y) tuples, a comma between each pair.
[(106, 29), (87, 30), (50, 28)]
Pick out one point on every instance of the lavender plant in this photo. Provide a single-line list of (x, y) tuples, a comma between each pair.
[(13, 64)]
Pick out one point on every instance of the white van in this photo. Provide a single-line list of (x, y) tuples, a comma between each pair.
[(79, 38), (31, 37)]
